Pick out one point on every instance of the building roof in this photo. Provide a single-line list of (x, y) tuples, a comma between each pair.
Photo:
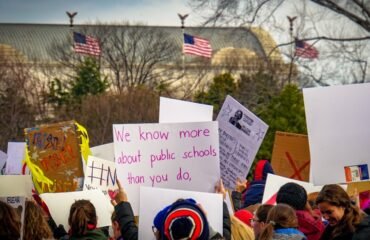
[(35, 40)]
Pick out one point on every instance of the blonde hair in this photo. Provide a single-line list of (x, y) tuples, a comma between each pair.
[(240, 230), (280, 216), (35, 224)]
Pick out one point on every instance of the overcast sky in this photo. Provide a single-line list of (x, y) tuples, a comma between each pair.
[(151, 12)]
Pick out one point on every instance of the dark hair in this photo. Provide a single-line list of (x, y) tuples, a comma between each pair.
[(336, 196), (262, 212), (292, 194), (10, 223), (81, 214), (280, 216), (35, 225)]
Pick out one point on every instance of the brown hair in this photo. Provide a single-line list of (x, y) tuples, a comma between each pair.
[(10, 222), (335, 195), (262, 212), (35, 225), (280, 216), (81, 214), (311, 198)]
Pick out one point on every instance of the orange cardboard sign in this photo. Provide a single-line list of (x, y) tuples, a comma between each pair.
[(54, 150), (291, 156)]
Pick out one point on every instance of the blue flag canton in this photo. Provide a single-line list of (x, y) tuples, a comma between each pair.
[(188, 39), (79, 38), (299, 44)]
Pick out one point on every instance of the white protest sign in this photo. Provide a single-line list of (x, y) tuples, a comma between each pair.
[(3, 158), (167, 155), (59, 205), (15, 156), (241, 134), (338, 132), (16, 185), (100, 174), (274, 182), (105, 151), (160, 198), (173, 110)]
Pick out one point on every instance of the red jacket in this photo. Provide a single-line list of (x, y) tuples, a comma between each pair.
[(311, 226)]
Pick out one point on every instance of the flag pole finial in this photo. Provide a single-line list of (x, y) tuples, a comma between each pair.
[(71, 16), (182, 18)]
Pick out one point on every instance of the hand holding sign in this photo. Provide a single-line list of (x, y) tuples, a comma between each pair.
[(120, 195)]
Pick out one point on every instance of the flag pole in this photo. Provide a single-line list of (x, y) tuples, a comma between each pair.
[(182, 18), (291, 20)]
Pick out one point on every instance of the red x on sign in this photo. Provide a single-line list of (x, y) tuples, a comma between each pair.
[(297, 172)]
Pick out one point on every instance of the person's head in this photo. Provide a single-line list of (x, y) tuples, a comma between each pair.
[(82, 217), (115, 226), (239, 230), (336, 207), (263, 167), (238, 114), (10, 222), (293, 195), (260, 218), (245, 216), (183, 219), (279, 216), (311, 198), (36, 226)]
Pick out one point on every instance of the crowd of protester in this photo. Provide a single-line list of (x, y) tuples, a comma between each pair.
[(330, 214)]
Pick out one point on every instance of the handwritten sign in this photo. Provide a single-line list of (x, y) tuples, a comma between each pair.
[(172, 155), (105, 151), (160, 198), (241, 134), (173, 110), (59, 205), (3, 158), (56, 151), (15, 156), (100, 174), (338, 130), (291, 156)]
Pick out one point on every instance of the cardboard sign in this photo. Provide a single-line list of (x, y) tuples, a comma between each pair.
[(15, 156), (160, 198), (241, 134), (291, 156), (59, 205), (173, 110), (100, 174), (16, 185), (358, 187), (177, 155), (55, 150), (338, 130), (105, 151)]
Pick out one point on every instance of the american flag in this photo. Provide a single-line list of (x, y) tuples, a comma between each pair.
[(197, 46), (305, 50), (86, 44)]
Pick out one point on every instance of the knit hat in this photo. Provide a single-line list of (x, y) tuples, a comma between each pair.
[(245, 216), (292, 194), (182, 219)]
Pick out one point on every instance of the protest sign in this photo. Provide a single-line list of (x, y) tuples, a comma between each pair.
[(173, 110), (105, 151), (16, 185), (274, 182), (291, 156), (100, 174), (153, 200), (59, 205), (55, 152), (167, 155), (338, 133), (241, 134), (15, 154), (3, 158)]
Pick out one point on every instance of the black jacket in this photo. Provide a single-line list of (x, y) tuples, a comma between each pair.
[(363, 230)]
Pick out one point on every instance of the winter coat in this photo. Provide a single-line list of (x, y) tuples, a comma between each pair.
[(363, 230), (288, 234), (311, 226), (96, 234), (126, 220)]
